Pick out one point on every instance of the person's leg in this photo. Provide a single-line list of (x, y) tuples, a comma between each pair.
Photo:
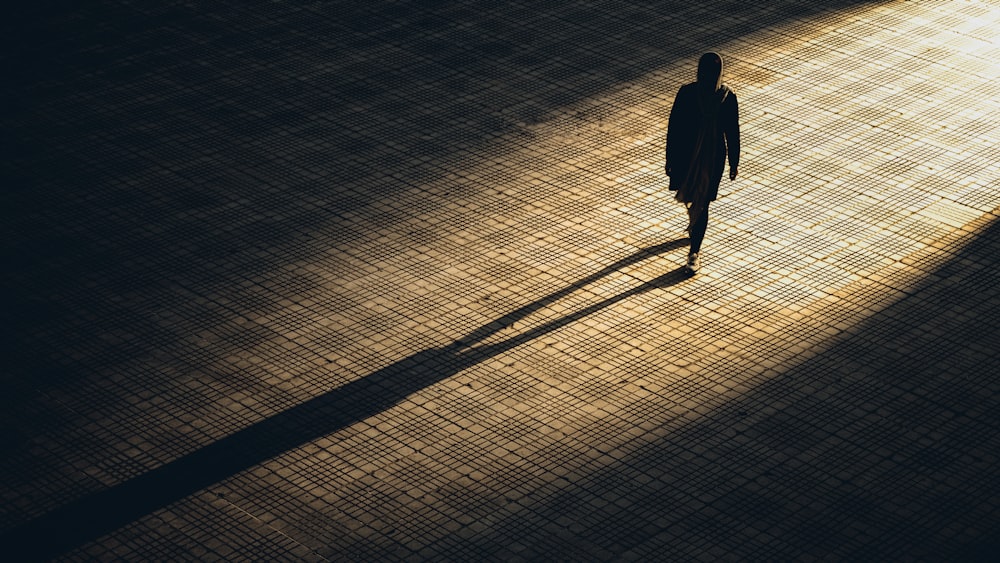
[(698, 229)]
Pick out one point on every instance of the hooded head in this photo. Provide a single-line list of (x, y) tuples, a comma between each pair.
[(710, 72)]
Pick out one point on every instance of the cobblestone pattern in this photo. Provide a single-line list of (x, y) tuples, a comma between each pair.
[(400, 281)]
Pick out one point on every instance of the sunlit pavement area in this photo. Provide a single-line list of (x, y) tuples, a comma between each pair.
[(400, 281)]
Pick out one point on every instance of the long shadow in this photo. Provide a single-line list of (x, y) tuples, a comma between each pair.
[(100, 513)]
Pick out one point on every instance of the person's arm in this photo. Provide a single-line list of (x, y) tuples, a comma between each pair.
[(733, 138), (671, 125)]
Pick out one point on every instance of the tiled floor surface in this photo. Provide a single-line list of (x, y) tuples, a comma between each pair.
[(399, 281)]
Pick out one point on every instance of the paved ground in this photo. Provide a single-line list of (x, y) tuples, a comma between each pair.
[(399, 281)]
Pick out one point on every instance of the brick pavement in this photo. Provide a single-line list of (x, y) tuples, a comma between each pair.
[(399, 281)]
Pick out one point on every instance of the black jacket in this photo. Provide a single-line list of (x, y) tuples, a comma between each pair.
[(687, 116)]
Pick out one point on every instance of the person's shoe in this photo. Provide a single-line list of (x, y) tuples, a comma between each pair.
[(694, 263)]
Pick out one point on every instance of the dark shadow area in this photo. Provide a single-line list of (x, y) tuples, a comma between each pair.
[(98, 514), (881, 447)]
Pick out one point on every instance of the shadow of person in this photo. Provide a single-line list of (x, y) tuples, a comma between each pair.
[(481, 353), (92, 516), (509, 319)]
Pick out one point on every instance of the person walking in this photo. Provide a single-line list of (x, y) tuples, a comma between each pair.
[(704, 128)]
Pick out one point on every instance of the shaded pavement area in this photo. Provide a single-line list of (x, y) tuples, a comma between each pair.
[(401, 281)]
